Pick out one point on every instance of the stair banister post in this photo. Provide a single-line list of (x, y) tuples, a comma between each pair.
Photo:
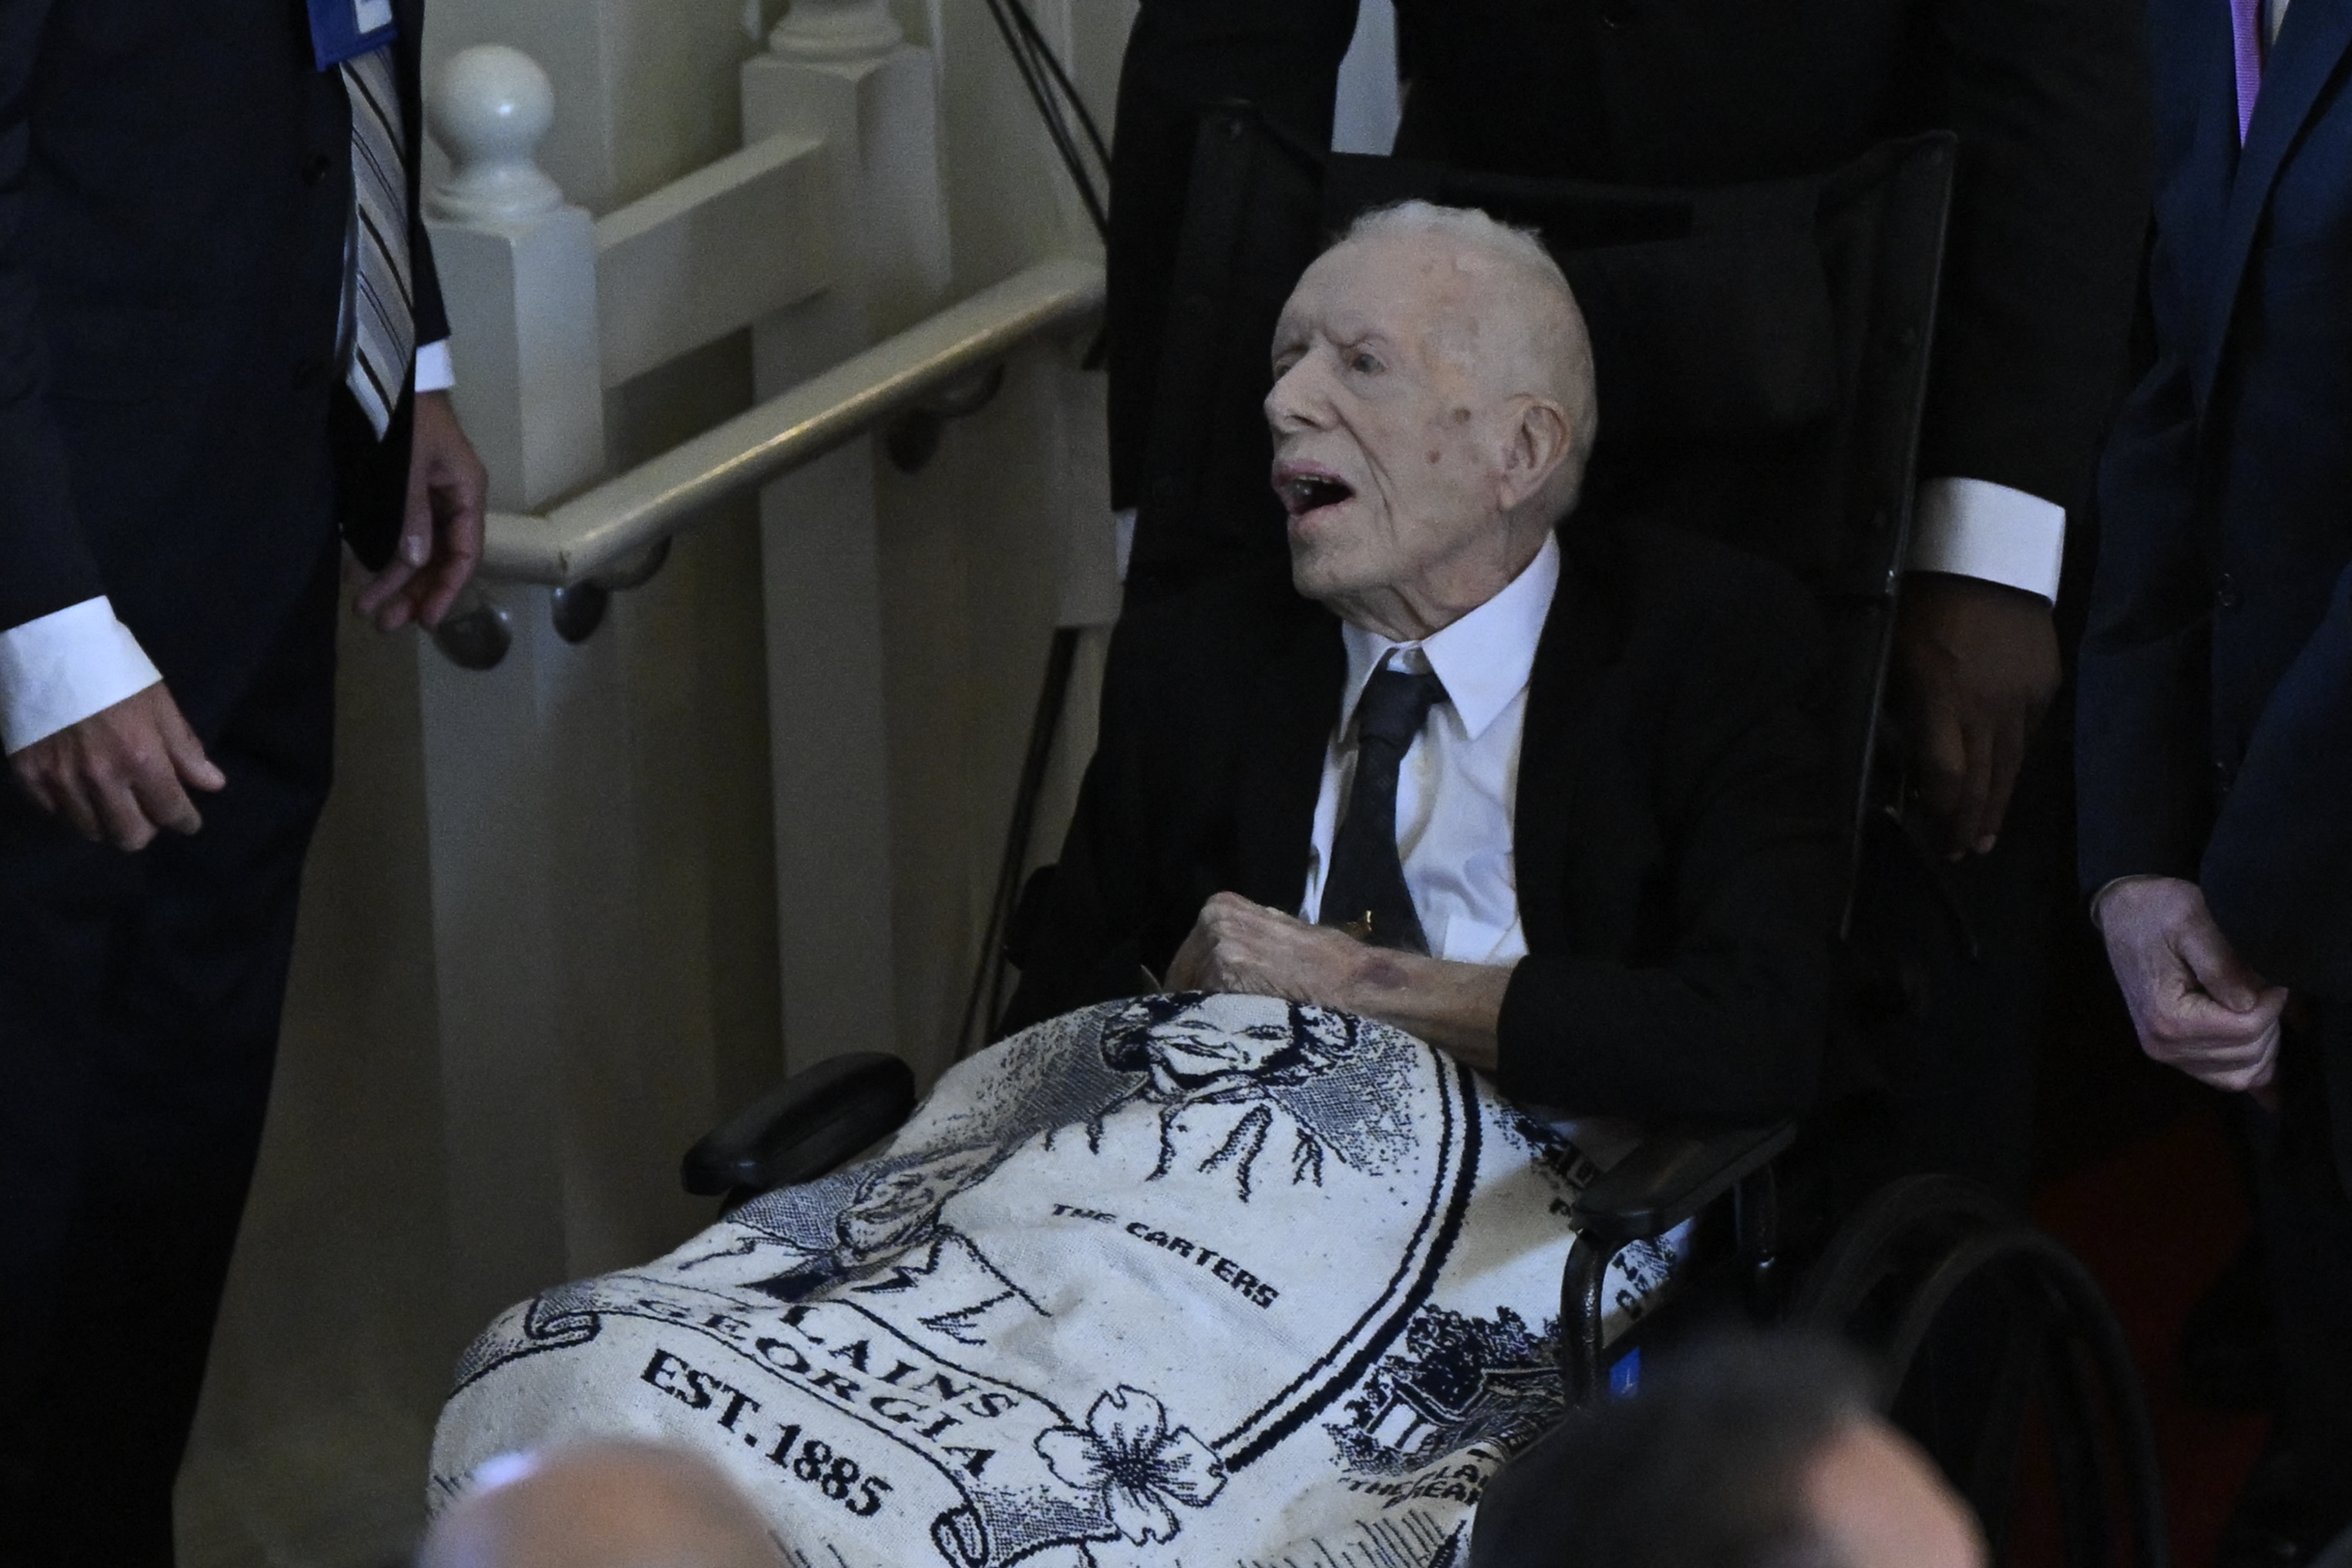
[(842, 72), (510, 753), (518, 266), (837, 30)]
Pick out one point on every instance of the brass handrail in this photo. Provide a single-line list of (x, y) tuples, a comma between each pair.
[(620, 517)]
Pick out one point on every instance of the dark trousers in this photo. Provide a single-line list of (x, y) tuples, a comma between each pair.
[(140, 997), (1941, 1049), (2305, 1217)]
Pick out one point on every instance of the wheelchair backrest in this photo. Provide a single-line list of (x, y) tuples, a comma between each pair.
[(1761, 354)]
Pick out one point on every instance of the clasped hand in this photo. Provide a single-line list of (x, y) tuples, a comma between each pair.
[(2195, 1003), (123, 775), (1237, 945)]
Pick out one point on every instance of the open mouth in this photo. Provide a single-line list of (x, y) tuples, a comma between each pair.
[(1304, 491)]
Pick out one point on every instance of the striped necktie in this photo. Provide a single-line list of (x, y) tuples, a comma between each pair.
[(378, 310)]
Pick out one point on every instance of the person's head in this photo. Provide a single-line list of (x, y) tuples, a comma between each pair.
[(1747, 1453), (1431, 409), (599, 1505), (1194, 1042)]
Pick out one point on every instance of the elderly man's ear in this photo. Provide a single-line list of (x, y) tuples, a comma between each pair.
[(1537, 441)]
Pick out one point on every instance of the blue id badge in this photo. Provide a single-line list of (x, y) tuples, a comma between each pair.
[(340, 29)]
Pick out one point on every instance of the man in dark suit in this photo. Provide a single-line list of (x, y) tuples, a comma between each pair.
[(214, 285), (2047, 222), (2215, 740), (1548, 799)]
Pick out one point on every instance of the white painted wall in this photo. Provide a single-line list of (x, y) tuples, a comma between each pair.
[(365, 1263)]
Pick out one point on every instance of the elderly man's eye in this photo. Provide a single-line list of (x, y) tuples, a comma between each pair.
[(1363, 362)]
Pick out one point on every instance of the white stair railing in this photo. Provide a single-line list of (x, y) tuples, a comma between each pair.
[(826, 238)]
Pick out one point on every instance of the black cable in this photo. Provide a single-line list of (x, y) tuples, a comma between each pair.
[(1039, 52), (1032, 43), (1037, 63), (983, 1004), (1042, 74), (1062, 77), (1032, 77)]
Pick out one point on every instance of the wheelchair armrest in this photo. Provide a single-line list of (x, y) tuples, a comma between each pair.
[(1673, 1174), (808, 1126)]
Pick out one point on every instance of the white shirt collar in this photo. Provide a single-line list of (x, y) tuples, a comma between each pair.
[(1484, 659)]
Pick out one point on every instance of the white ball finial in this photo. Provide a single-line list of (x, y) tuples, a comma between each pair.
[(489, 108), (837, 30)]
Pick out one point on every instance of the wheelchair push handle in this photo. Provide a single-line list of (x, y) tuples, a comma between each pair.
[(811, 1124)]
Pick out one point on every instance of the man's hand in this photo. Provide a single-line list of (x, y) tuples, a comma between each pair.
[(441, 532), (122, 775), (1976, 664), (2196, 1005), (1237, 945)]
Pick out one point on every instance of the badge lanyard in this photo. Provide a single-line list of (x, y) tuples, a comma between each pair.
[(340, 29)]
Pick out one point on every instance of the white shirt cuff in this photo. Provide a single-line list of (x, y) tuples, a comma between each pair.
[(1122, 538), (60, 669), (1974, 528), (434, 370)]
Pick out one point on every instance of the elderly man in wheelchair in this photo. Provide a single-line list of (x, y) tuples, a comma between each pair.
[(1541, 790), (1491, 833)]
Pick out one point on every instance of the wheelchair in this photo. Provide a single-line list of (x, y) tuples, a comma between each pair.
[(1761, 353)]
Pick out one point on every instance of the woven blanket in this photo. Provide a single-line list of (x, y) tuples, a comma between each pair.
[(1178, 1280)]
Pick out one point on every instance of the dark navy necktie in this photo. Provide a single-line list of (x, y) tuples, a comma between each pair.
[(1365, 893)]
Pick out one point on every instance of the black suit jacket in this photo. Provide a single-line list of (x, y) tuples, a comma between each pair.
[(2046, 96), (1673, 854), (175, 186), (2215, 736)]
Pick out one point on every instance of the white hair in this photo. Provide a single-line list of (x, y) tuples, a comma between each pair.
[(1522, 248), (1556, 349)]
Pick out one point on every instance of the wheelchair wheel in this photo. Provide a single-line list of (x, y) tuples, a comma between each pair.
[(1977, 1323)]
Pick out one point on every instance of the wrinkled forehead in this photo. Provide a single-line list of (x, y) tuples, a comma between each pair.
[(1428, 289)]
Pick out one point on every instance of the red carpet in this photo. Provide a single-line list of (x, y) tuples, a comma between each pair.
[(2155, 1219)]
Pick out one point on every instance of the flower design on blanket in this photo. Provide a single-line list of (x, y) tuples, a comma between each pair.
[(1127, 1452)]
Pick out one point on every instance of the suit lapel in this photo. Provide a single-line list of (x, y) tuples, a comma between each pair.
[(1292, 712), (2310, 48), (1579, 637)]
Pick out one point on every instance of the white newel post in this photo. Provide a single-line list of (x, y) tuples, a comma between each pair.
[(519, 269), (849, 30), (840, 71), (511, 752)]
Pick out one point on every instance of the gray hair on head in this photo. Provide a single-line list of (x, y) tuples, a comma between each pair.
[(1522, 248), (1553, 352)]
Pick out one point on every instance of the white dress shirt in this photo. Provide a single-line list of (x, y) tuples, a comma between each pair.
[(1974, 528), (1458, 779), (60, 669), (1457, 790)]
